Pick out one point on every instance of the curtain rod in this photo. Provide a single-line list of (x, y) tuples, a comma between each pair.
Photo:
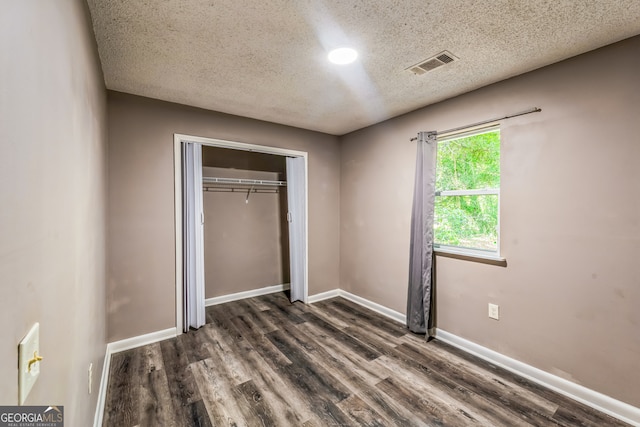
[(484, 122)]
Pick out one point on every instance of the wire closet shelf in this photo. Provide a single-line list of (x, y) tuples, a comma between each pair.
[(233, 185), (241, 181)]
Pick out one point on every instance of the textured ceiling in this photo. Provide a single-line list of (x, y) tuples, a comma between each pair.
[(267, 59)]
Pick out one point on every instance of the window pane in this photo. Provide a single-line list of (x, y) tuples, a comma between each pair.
[(469, 163), (467, 221)]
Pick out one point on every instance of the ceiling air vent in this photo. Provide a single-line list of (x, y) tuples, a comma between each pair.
[(432, 63)]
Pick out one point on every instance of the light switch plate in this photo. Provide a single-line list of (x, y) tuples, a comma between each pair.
[(27, 349)]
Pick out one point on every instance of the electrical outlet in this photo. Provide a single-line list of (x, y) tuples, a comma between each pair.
[(494, 311), (90, 377)]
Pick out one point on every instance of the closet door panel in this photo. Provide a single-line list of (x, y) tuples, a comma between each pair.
[(296, 197), (193, 237)]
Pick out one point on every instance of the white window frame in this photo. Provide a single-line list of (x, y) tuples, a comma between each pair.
[(461, 250)]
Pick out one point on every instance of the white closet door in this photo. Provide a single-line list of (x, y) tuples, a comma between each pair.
[(193, 251), (296, 198)]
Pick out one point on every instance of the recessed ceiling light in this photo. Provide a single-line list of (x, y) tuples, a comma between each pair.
[(343, 55)]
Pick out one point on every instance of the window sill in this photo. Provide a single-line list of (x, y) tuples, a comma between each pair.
[(471, 256)]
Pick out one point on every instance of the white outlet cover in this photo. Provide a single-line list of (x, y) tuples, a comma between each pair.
[(29, 346), (494, 311)]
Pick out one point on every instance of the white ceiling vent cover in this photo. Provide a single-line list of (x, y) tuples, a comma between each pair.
[(443, 58)]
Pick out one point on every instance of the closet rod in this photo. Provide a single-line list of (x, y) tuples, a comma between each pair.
[(242, 181), (484, 122)]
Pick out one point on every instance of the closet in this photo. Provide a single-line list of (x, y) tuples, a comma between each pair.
[(246, 238)]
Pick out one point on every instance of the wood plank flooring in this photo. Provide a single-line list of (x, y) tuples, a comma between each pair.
[(266, 362)]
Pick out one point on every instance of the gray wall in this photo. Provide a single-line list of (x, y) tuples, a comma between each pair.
[(52, 198), (570, 217), (141, 266)]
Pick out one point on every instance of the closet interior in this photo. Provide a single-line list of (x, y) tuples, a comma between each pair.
[(246, 240)]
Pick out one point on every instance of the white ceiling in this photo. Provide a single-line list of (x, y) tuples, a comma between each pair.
[(266, 59)]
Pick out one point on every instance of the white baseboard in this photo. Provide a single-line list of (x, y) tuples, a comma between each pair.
[(140, 340), (116, 347), (387, 312), (608, 405), (323, 296), (246, 294)]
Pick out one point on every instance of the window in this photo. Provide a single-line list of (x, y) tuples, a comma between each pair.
[(468, 193)]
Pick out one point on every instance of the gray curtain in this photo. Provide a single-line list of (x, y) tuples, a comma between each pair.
[(419, 299)]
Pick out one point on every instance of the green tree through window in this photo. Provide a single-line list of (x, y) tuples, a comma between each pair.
[(468, 191)]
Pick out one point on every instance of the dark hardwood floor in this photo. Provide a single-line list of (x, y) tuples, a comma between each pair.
[(266, 362)]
